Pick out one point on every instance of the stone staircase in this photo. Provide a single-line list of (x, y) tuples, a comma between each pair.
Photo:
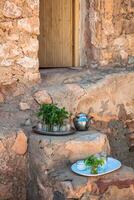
[(118, 185), (47, 164), (106, 95), (50, 177)]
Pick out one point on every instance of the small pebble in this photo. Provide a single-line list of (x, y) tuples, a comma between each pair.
[(28, 122)]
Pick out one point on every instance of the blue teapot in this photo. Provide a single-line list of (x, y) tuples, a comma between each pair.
[(81, 122)]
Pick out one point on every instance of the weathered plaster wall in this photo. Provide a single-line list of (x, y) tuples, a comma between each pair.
[(109, 32), (19, 28)]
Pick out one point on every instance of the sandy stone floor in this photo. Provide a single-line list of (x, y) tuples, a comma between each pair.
[(83, 76)]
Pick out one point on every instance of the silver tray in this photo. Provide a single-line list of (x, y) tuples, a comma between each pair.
[(62, 133)]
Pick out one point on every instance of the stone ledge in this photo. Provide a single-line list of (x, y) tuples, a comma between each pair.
[(48, 155), (105, 94), (50, 176), (72, 186), (52, 151), (122, 178)]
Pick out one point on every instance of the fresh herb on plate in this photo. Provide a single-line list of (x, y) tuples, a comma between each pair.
[(94, 162)]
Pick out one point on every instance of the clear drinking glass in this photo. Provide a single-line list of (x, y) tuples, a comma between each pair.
[(103, 155), (80, 165)]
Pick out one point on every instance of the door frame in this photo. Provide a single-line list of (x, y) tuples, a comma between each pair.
[(76, 34)]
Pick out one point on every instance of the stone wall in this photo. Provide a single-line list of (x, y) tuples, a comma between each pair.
[(104, 94), (110, 98), (109, 33), (19, 28), (106, 36), (13, 164)]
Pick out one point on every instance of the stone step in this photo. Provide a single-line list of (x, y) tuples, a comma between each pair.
[(51, 152), (50, 177), (104, 95), (63, 184)]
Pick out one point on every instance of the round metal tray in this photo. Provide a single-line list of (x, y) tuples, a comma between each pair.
[(62, 133)]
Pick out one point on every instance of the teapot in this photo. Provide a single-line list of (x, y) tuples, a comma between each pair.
[(81, 122)]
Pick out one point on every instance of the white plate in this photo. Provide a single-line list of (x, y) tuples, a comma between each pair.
[(111, 165)]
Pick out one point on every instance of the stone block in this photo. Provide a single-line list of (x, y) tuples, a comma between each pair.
[(24, 106), (131, 60), (42, 97), (33, 4), (30, 25), (1, 98), (51, 152), (28, 62), (30, 46), (11, 10), (2, 148), (116, 185), (20, 144), (6, 191)]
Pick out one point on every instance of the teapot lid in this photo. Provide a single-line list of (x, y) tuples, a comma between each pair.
[(82, 115)]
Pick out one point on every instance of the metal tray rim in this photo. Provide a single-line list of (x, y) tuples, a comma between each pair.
[(63, 133)]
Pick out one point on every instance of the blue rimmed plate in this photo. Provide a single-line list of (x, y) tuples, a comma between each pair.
[(111, 165)]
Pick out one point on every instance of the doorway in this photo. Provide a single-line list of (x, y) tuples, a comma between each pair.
[(59, 33)]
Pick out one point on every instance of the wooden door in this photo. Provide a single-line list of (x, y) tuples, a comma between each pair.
[(56, 33)]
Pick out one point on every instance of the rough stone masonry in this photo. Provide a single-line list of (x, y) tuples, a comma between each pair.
[(19, 28), (107, 32)]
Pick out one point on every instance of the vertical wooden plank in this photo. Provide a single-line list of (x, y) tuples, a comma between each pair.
[(76, 33), (48, 33), (41, 48), (67, 33), (56, 32)]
